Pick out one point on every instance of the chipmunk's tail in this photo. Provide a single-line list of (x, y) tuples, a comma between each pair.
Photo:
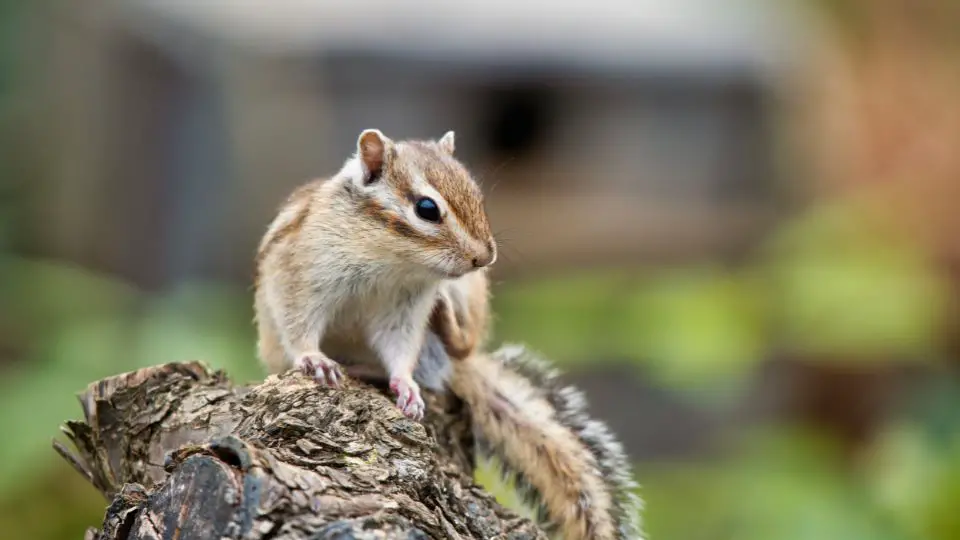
[(565, 463)]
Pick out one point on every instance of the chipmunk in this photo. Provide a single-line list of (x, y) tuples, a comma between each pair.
[(385, 265)]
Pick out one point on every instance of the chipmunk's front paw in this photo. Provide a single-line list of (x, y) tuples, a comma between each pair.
[(408, 397), (321, 368)]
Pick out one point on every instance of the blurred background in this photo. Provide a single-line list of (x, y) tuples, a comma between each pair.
[(733, 222)]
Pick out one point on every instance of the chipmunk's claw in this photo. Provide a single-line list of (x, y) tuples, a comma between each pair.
[(409, 400), (321, 368)]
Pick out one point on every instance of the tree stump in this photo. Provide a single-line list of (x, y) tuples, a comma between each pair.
[(182, 453)]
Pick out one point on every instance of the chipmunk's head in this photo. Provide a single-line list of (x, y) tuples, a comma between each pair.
[(425, 199)]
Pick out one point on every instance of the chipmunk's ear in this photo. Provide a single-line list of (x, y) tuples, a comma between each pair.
[(446, 143), (374, 150)]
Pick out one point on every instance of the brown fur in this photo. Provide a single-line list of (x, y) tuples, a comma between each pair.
[(514, 416), (394, 223), (462, 326), (269, 348), (299, 199), (348, 242), (446, 175), (515, 419), (458, 344)]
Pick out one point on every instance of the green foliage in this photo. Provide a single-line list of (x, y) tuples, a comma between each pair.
[(914, 472), (777, 482), (695, 328), (77, 327), (56, 503), (846, 284), (782, 485), (49, 296), (567, 317), (837, 282), (201, 321), (69, 338)]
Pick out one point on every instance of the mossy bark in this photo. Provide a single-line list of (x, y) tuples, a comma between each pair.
[(182, 453)]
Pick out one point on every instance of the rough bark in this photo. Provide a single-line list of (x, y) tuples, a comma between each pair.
[(182, 453)]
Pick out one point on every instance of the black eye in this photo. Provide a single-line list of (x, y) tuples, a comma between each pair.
[(427, 210)]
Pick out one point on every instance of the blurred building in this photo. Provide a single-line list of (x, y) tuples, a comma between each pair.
[(612, 130)]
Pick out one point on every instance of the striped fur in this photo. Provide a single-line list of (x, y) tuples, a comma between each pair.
[(348, 270), (569, 466), (571, 410)]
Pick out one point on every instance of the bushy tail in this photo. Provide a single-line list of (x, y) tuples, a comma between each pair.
[(565, 463)]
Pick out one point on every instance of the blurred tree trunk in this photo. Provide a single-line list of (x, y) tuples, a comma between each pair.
[(184, 454)]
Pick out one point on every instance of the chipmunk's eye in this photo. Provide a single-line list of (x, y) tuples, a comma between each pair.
[(427, 210)]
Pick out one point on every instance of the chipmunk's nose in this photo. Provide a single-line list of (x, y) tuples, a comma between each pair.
[(488, 258)]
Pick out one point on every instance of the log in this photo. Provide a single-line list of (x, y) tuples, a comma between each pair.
[(180, 452)]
